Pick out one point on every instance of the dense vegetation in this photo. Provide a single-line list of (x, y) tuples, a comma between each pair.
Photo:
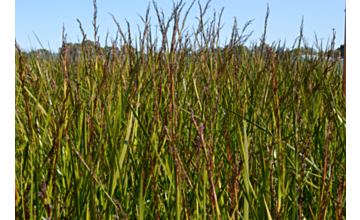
[(184, 130)]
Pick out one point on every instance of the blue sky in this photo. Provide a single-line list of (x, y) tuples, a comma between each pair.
[(46, 19)]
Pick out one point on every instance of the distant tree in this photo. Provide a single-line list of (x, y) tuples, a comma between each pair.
[(43, 52), (109, 50), (341, 50), (76, 48), (235, 49)]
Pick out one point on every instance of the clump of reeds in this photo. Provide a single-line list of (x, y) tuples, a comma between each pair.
[(184, 130)]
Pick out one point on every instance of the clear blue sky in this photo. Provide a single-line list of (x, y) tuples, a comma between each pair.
[(46, 19)]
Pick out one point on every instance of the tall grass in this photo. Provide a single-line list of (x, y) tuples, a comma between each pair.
[(184, 130)]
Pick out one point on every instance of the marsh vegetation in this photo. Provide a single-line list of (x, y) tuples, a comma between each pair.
[(180, 128)]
